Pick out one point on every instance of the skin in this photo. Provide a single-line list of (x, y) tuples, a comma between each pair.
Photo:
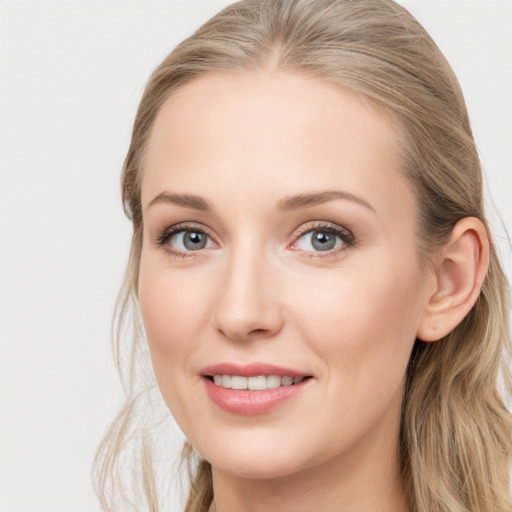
[(260, 291)]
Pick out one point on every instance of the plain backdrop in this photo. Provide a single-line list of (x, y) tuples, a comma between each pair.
[(71, 75)]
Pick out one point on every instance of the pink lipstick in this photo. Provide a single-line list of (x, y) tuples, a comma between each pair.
[(251, 389)]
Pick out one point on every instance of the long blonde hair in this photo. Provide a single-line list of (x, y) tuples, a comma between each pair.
[(455, 438)]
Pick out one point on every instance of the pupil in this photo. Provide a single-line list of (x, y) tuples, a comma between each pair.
[(194, 240), (323, 241)]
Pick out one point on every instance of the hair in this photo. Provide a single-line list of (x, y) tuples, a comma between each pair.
[(455, 436)]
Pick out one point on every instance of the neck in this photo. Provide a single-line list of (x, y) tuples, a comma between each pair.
[(367, 479)]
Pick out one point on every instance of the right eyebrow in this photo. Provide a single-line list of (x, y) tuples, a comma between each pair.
[(186, 200)]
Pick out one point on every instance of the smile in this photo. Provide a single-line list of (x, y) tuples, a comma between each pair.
[(252, 389), (257, 383)]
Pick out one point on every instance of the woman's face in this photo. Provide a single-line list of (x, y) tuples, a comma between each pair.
[(279, 242)]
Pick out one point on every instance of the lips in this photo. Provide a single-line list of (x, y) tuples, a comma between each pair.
[(251, 389), (250, 370)]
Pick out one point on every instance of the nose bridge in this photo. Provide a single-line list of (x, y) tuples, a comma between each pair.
[(248, 302)]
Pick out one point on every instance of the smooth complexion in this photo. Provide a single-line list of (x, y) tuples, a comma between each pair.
[(242, 281)]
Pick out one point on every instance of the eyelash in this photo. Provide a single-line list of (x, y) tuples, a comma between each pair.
[(346, 236), (168, 233)]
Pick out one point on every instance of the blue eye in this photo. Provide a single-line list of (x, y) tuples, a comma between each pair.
[(183, 240), (189, 240), (323, 239)]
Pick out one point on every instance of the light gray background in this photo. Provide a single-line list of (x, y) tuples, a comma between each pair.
[(71, 74)]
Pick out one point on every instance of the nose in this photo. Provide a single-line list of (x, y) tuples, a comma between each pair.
[(248, 303)]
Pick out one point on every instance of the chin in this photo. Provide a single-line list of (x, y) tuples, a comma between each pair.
[(259, 460), (260, 468)]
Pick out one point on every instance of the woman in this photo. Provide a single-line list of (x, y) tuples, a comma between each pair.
[(324, 310)]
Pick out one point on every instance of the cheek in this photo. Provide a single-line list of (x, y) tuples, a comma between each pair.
[(364, 322), (172, 319)]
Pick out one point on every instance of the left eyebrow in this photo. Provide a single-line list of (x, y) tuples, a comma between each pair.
[(312, 199)]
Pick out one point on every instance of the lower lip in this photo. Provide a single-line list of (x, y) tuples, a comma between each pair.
[(249, 403)]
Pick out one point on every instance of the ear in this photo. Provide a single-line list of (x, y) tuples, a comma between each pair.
[(458, 274)]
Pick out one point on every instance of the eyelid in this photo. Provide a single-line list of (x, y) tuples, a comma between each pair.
[(163, 236), (347, 237), (319, 225)]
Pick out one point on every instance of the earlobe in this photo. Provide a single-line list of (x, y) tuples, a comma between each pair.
[(458, 274)]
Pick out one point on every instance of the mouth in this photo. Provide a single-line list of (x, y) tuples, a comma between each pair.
[(252, 389), (257, 383)]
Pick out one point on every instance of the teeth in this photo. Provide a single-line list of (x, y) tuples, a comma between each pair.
[(226, 381), (287, 381), (238, 382), (255, 383), (273, 381)]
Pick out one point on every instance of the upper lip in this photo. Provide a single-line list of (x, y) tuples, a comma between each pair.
[(250, 370)]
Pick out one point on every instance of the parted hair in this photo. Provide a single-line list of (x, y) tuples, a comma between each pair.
[(455, 436)]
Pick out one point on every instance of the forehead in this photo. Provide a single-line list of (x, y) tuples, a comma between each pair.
[(266, 131)]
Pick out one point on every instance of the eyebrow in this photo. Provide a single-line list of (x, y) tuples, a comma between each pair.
[(289, 203), (186, 200), (312, 199)]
